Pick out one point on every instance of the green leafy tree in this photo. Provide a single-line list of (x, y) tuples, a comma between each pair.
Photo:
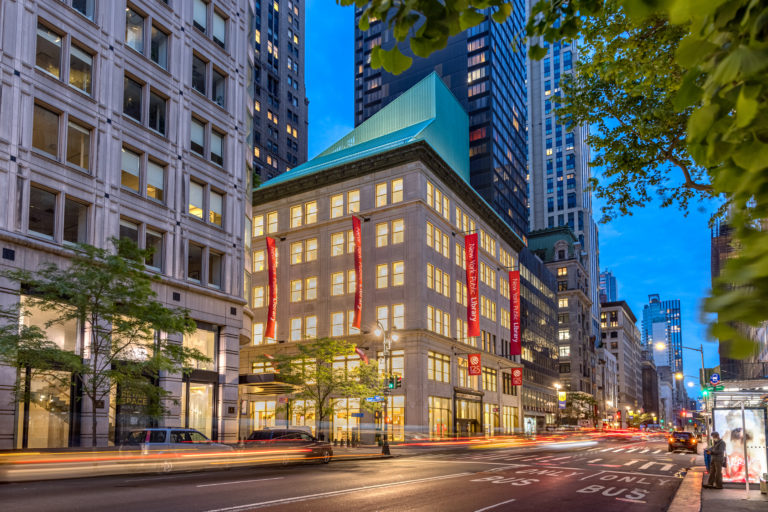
[(312, 372), (111, 294), (425, 24), (723, 57), (580, 406)]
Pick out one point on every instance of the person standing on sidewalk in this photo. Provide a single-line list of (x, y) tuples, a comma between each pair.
[(717, 452)]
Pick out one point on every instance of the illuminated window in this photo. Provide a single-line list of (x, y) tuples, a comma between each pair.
[(398, 273), (398, 231), (310, 289), (337, 206), (562, 303), (382, 275), (337, 244), (337, 283), (353, 201), (350, 321), (564, 351), (258, 225), (258, 297), (381, 195), (310, 327), (350, 242), (310, 212), (258, 260), (337, 324), (296, 329), (430, 234), (398, 316), (563, 334), (438, 367), (310, 253), (272, 222), (296, 215), (382, 316), (382, 234), (296, 290), (397, 190), (562, 271), (297, 251), (351, 281), (258, 333)]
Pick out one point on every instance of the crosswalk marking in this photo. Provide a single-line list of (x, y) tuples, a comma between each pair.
[(657, 451), (645, 450), (632, 450), (593, 461), (619, 450)]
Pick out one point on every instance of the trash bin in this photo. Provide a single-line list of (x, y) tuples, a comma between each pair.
[(764, 484)]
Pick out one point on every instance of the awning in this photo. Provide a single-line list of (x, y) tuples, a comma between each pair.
[(264, 384)]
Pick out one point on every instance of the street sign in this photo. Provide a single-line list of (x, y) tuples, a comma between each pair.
[(714, 379), (357, 415), (719, 388), (377, 398)]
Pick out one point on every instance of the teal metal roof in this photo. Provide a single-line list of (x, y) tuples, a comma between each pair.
[(428, 112)]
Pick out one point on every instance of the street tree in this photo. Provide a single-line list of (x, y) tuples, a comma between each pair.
[(581, 406), (324, 370), (108, 292)]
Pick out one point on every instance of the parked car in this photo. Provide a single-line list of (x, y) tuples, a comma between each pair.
[(291, 439), (683, 441), (168, 439)]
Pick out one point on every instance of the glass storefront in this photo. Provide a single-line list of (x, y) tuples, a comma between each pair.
[(197, 410), (262, 414), (303, 414), (49, 412), (203, 340), (510, 420), (344, 424), (439, 416), (491, 419), (468, 417), (396, 412)]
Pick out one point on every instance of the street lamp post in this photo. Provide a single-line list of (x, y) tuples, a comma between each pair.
[(557, 391), (388, 338), (700, 350)]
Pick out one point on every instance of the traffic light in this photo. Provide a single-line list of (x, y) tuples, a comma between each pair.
[(391, 382), (398, 382), (705, 392)]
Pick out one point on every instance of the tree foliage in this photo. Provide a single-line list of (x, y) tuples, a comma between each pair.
[(426, 24), (580, 406), (126, 328), (318, 372)]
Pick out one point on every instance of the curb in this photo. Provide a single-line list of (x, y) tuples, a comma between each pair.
[(688, 495)]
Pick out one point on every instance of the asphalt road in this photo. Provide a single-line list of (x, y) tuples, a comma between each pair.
[(590, 477)]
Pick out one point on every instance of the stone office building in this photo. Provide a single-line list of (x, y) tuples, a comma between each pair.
[(127, 119), (622, 337), (405, 172)]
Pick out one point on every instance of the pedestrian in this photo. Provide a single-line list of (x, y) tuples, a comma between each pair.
[(717, 454)]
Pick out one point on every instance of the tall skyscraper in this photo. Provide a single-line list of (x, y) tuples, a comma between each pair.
[(607, 287), (558, 164), (661, 324), (487, 76), (279, 96), (127, 120)]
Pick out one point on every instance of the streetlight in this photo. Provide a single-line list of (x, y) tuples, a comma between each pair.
[(662, 346), (388, 338), (557, 388)]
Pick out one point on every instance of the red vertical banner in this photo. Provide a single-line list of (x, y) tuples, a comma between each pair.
[(475, 364), (517, 376), (515, 347), (272, 276), (473, 286), (356, 232)]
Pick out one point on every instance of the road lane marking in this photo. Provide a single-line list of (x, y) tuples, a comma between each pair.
[(631, 462), (306, 497), (494, 506), (631, 501), (593, 461), (241, 481)]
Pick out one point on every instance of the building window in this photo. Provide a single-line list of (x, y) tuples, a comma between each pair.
[(257, 297), (45, 134), (52, 48), (382, 275), (563, 334), (438, 367), (272, 222), (78, 145), (214, 151), (159, 47), (564, 351), (141, 33), (133, 100), (382, 316), (42, 212), (398, 316), (382, 234), (45, 137), (198, 74), (337, 206), (381, 195), (210, 273), (203, 71), (310, 288), (397, 190), (258, 333), (562, 271), (259, 261), (340, 240), (337, 283), (398, 273), (353, 201), (563, 303), (337, 324), (490, 380), (216, 29), (137, 169), (197, 137), (202, 199)]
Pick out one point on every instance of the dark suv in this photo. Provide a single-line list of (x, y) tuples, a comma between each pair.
[(291, 445), (683, 441)]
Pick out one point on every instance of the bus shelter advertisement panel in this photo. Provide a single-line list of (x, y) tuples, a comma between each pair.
[(728, 423)]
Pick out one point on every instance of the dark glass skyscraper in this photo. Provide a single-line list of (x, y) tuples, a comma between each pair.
[(487, 76), (661, 324)]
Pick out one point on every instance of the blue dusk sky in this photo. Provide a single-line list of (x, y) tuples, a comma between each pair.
[(654, 251)]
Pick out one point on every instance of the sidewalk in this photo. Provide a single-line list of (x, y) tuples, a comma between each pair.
[(691, 497)]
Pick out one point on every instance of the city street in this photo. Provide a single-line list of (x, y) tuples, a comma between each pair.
[(609, 475)]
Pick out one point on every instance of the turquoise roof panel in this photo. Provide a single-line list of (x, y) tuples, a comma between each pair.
[(428, 112)]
